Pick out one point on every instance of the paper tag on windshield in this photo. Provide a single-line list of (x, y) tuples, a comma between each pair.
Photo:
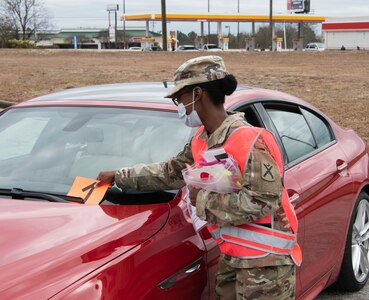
[(86, 189)]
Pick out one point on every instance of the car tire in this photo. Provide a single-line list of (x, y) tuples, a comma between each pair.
[(355, 266)]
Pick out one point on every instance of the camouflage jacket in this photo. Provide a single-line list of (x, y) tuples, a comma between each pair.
[(257, 198)]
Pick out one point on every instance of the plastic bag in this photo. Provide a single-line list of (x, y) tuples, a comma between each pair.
[(217, 172)]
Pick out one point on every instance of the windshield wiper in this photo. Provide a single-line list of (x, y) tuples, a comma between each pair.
[(17, 193)]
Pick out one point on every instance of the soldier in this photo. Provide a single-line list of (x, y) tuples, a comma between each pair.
[(255, 226)]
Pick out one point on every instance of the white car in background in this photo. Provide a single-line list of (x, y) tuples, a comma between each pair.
[(211, 47), (315, 47), (187, 48), (135, 48)]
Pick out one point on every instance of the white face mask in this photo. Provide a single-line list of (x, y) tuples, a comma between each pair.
[(193, 119)]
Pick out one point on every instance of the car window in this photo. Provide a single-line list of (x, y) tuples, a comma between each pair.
[(251, 116), (320, 129), (293, 130), (45, 148), (19, 138)]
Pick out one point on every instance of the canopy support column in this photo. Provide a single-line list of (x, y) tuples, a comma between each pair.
[(219, 34)]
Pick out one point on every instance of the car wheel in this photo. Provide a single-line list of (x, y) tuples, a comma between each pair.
[(355, 264)]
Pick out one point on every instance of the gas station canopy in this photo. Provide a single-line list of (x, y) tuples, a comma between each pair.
[(296, 18), (219, 18)]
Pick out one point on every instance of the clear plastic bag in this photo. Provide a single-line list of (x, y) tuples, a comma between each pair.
[(216, 172)]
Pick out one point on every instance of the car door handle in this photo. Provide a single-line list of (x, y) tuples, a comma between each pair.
[(181, 275), (294, 198), (342, 167)]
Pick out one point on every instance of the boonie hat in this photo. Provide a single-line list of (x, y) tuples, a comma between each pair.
[(198, 70)]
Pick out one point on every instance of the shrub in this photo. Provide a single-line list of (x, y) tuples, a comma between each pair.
[(21, 44)]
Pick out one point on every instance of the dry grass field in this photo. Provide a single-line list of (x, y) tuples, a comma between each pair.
[(335, 82)]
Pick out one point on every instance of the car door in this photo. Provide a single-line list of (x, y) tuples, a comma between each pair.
[(255, 115), (317, 164)]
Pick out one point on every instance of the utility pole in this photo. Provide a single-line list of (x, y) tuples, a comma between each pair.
[(238, 25), (208, 22), (124, 24), (109, 12), (34, 20), (114, 8), (115, 27), (164, 24), (271, 23)]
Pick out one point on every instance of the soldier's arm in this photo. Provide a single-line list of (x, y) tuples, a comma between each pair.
[(259, 196), (158, 176)]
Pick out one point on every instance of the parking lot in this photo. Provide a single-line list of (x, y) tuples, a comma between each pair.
[(334, 81), (333, 295)]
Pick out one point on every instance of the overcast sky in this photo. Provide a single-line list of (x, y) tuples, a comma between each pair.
[(93, 14)]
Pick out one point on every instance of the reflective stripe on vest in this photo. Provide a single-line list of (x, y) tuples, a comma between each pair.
[(260, 237), (251, 240)]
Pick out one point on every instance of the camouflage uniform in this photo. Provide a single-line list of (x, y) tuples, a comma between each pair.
[(272, 276)]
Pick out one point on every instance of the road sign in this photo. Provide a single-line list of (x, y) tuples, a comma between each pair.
[(295, 5)]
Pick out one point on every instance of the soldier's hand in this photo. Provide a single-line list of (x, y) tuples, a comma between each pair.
[(106, 177), (193, 194)]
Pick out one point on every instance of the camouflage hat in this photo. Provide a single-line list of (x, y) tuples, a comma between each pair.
[(198, 70)]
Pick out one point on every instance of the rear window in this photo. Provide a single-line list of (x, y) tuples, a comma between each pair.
[(319, 127), (294, 132), (300, 130)]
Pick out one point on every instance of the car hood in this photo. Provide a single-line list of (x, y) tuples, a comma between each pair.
[(47, 246)]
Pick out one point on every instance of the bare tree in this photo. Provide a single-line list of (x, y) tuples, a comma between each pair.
[(7, 31), (26, 17)]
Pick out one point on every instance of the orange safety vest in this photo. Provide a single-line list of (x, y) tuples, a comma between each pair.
[(252, 240)]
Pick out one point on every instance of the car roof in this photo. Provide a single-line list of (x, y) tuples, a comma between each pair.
[(147, 94), (315, 43)]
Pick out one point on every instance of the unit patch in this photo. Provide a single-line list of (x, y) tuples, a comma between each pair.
[(267, 171)]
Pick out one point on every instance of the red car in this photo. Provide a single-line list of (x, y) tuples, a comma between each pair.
[(143, 245)]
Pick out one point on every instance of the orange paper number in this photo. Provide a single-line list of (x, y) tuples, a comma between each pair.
[(86, 189)]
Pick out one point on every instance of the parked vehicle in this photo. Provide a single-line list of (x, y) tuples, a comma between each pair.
[(187, 48), (137, 245), (211, 47), (152, 48), (135, 48), (315, 47)]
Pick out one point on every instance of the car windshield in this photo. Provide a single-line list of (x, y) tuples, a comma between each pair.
[(45, 148)]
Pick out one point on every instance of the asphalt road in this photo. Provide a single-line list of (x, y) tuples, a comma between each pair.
[(329, 295)]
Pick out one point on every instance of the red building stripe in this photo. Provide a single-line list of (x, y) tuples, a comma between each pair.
[(346, 26)]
